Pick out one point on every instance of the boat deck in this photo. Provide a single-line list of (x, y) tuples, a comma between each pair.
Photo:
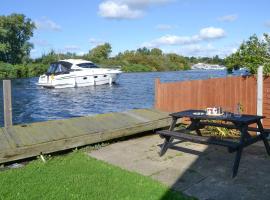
[(29, 140)]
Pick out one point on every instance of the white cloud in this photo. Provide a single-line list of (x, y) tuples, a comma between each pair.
[(200, 50), (143, 3), (164, 27), (207, 50), (228, 18), (209, 33), (114, 10), (126, 9), (47, 24)]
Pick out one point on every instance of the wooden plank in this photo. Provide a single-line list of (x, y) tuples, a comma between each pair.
[(41, 132), (68, 143), (19, 142), (147, 114), (12, 137), (5, 144), (47, 131), (25, 137), (199, 139)]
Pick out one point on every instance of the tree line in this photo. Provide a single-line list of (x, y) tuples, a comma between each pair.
[(16, 31), (15, 62)]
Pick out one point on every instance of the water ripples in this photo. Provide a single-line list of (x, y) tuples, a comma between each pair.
[(133, 90)]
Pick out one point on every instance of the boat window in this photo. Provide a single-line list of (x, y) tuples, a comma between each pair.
[(87, 65), (58, 68), (52, 68), (66, 65)]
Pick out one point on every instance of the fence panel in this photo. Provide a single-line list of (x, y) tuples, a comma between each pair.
[(199, 94), (266, 101)]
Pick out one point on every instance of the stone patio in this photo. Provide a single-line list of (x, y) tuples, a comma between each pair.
[(194, 169)]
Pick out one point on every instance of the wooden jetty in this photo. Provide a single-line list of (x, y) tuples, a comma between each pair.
[(29, 140)]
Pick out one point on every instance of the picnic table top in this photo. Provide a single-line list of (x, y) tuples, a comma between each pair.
[(201, 115)]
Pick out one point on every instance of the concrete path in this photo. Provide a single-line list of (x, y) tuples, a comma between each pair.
[(195, 169)]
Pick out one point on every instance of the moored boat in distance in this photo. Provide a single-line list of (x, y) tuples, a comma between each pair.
[(77, 73), (208, 66)]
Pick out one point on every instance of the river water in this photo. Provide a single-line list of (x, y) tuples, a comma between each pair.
[(133, 90)]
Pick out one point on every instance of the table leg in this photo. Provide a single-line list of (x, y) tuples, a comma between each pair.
[(263, 136), (198, 132), (244, 133), (266, 144), (172, 126), (195, 126), (237, 161), (168, 140), (165, 145)]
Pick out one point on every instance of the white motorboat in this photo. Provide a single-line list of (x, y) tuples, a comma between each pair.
[(77, 73), (207, 66)]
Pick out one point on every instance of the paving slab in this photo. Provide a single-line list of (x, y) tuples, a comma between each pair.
[(203, 171)]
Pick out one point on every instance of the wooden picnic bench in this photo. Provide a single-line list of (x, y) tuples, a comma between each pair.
[(200, 120)]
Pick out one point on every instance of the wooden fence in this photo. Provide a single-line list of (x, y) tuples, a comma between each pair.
[(224, 92), (266, 101)]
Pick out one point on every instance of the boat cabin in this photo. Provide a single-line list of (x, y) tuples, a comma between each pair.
[(63, 67)]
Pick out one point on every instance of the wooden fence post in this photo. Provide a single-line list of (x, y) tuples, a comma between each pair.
[(7, 103), (157, 96), (260, 91)]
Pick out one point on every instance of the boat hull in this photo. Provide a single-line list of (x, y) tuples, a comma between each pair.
[(70, 80)]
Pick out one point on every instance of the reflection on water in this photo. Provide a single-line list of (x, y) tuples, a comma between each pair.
[(133, 90)]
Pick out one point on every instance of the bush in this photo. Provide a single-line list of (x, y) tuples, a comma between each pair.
[(7, 71), (21, 70), (136, 68)]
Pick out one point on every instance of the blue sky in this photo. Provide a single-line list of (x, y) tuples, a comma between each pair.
[(187, 27)]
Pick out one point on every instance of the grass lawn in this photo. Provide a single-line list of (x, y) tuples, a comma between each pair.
[(78, 176)]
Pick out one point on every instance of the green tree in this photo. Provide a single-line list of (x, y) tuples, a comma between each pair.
[(52, 56), (156, 52), (251, 54), (216, 60), (177, 62), (99, 53), (143, 51), (15, 33), (48, 58)]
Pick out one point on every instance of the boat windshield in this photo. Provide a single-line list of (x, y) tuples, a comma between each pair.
[(87, 65), (59, 68)]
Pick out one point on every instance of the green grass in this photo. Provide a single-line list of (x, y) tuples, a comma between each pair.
[(78, 176)]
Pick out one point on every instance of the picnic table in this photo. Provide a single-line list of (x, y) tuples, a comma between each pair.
[(199, 120)]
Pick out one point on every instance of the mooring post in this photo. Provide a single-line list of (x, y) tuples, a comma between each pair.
[(7, 103)]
